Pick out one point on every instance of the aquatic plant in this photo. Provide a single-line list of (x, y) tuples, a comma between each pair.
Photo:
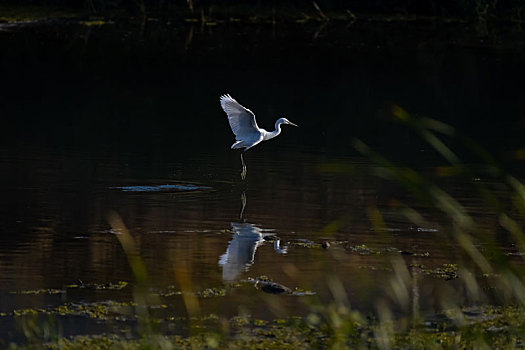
[(476, 249)]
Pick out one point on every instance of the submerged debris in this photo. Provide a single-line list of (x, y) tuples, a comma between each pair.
[(265, 284), (272, 287)]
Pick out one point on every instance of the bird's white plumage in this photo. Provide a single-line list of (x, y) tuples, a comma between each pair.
[(242, 122)]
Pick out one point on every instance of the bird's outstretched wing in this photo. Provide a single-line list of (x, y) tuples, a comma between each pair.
[(242, 120)]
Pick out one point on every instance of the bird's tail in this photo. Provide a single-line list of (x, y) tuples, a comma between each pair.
[(238, 144)]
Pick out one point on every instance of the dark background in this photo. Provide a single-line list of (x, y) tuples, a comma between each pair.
[(447, 8), (154, 86)]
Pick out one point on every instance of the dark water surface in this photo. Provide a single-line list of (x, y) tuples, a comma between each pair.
[(125, 118)]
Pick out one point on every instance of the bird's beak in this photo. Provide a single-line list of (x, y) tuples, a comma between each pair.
[(289, 122)]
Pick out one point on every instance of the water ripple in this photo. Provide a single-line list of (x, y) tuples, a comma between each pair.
[(161, 188)]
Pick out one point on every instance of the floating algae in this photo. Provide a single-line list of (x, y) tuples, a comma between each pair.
[(445, 271), (98, 310)]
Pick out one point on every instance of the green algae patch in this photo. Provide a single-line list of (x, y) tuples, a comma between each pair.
[(241, 333), (487, 326), (98, 310), (483, 326), (171, 291), (421, 255), (24, 312), (168, 292), (212, 292), (363, 250), (263, 283), (257, 338), (445, 271), (93, 286), (304, 243), (99, 286), (38, 291), (300, 292)]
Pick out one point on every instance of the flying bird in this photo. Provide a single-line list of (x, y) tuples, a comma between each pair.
[(244, 126)]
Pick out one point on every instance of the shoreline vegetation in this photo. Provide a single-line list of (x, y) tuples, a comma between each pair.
[(474, 327), (212, 13)]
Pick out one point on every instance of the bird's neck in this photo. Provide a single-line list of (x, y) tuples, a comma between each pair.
[(272, 134)]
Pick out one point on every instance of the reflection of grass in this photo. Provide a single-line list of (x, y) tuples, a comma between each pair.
[(16, 14), (213, 13)]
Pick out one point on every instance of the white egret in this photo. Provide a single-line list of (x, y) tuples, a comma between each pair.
[(244, 126)]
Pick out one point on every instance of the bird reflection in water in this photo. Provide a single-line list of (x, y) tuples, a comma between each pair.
[(240, 254)]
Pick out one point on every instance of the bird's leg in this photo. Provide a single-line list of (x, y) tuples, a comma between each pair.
[(243, 172), (243, 202)]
